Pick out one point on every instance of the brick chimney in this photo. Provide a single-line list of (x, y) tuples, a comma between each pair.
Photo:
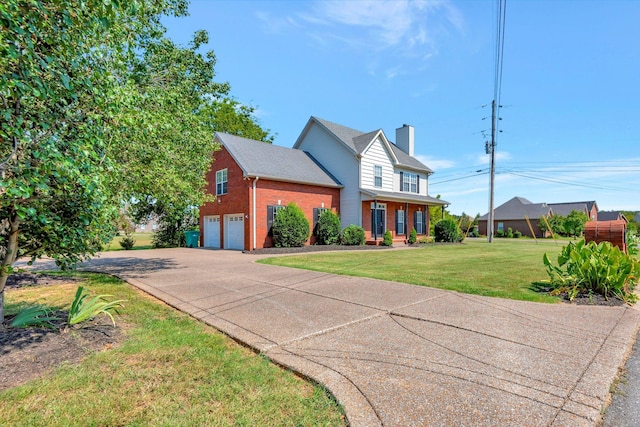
[(405, 139)]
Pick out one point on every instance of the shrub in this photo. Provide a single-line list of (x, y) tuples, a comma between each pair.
[(353, 235), (290, 227), (597, 268), (127, 241), (387, 240), (509, 233), (632, 243), (500, 233), (517, 234), (328, 228), (413, 236), (447, 230)]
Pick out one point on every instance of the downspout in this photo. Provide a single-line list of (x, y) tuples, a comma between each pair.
[(253, 219)]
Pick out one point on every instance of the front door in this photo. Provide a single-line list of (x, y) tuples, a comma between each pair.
[(378, 219)]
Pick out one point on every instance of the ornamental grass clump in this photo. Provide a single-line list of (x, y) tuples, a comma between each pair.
[(594, 268), (83, 309)]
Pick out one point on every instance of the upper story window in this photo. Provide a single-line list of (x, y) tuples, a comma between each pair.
[(377, 176), (409, 182), (221, 182)]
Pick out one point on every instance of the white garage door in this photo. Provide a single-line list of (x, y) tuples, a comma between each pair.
[(211, 231), (234, 231)]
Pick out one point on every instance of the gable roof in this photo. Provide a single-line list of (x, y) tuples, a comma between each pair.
[(565, 209), (269, 161), (357, 141), (611, 216), (518, 208)]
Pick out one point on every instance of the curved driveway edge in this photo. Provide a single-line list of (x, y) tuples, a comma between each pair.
[(396, 354)]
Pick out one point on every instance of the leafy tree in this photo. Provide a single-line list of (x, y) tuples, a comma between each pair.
[(290, 227), (556, 222), (98, 108), (328, 228), (574, 223)]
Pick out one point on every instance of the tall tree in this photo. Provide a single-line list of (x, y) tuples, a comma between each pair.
[(97, 108)]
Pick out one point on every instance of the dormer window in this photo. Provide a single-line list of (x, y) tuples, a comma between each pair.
[(377, 176)]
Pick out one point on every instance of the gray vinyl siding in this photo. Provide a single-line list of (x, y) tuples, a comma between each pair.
[(342, 164), (377, 155)]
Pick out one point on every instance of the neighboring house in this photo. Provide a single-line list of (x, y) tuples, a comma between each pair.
[(148, 227), (589, 208), (362, 176), (612, 216), (514, 214)]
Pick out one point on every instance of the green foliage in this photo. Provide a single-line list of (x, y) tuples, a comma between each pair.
[(36, 315), (172, 225), (387, 240), (517, 234), (574, 223), (413, 236), (328, 228), (290, 227), (83, 309), (353, 235), (633, 240), (509, 233), (500, 233), (598, 268), (127, 242), (447, 231)]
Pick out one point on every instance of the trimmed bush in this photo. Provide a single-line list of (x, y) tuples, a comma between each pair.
[(387, 240), (517, 234), (589, 267), (328, 228), (509, 233), (413, 236), (290, 227), (447, 230), (353, 235)]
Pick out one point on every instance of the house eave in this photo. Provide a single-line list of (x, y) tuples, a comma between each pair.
[(250, 175), (403, 198)]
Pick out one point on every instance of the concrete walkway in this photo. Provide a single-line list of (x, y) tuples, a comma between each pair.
[(396, 354)]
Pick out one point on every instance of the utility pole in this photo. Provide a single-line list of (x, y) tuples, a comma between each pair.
[(492, 149)]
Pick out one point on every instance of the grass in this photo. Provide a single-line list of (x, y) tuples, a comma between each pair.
[(143, 241), (506, 268), (171, 370)]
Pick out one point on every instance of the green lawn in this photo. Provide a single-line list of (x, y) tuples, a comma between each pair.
[(143, 241), (171, 371), (505, 268)]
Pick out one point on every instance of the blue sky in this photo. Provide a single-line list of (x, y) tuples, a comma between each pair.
[(570, 86)]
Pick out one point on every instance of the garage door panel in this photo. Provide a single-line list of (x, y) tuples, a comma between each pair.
[(211, 231), (234, 231)]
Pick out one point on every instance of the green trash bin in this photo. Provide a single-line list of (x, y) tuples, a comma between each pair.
[(192, 238)]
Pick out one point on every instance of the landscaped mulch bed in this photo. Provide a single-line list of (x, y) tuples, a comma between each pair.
[(28, 353)]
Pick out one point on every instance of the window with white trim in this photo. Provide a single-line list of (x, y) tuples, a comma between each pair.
[(377, 176), (409, 182), (221, 182), (419, 222), (400, 222)]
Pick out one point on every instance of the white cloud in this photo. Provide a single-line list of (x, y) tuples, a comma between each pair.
[(435, 164)]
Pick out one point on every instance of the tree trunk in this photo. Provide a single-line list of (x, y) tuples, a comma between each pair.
[(9, 258)]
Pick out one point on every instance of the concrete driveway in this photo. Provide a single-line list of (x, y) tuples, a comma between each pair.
[(396, 354)]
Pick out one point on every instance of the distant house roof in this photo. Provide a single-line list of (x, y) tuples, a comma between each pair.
[(357, 141), (274, 162), (565, 209), (518, 208), (611, 216)]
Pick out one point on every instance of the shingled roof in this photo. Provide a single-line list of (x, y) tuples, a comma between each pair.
[(357, 141), (518, 208), (270, 161), (565, 209)]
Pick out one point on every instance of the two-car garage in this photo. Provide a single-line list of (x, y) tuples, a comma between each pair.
[(232, 230)]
